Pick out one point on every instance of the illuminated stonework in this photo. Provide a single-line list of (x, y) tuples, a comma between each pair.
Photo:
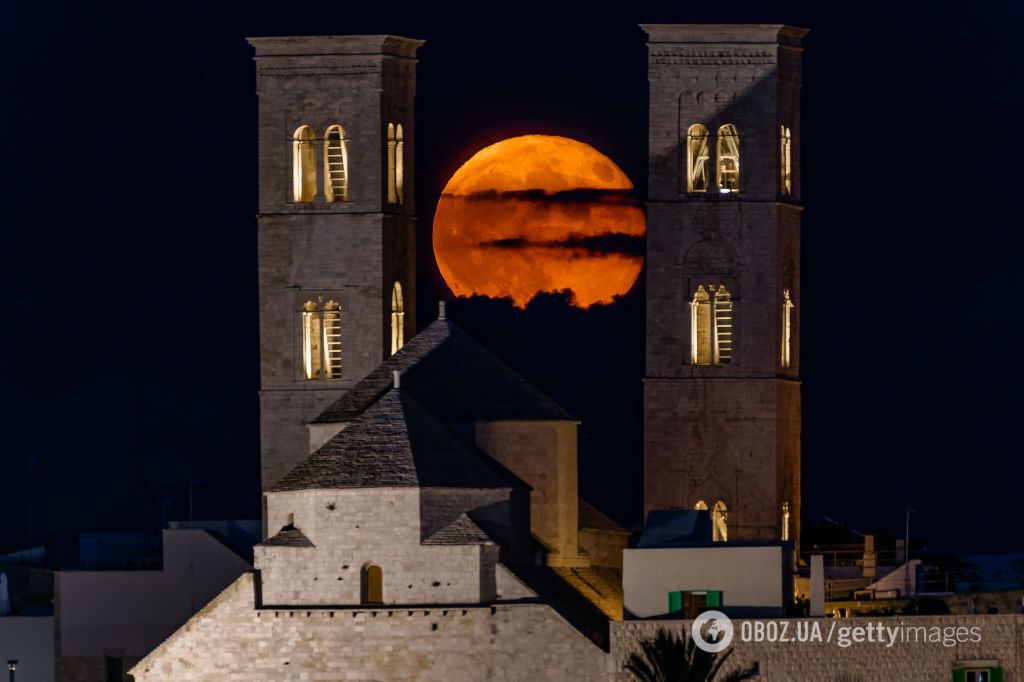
[(303, 165), (396, 164), (321, 339), (728, 159), (697, 158), (397, 318), (711, 326), (335, 164), (785, 161)]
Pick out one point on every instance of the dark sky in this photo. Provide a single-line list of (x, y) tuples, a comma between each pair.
[(129, 356)]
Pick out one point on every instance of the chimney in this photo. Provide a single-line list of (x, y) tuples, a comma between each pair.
[(440, 310), (397, 376)]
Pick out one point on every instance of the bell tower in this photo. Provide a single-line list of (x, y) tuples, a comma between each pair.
[(336, 224), (722, 378)]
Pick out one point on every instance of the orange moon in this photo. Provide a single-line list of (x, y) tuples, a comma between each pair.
[(539, 213)]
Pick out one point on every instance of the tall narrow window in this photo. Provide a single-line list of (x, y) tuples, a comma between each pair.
[(332, 339), (711, 326), (372, 584), (785, 521), (700, 327), (728, 159), (392, 156), (311, 355), (335, 164), (786, 161), (787, 330), (720, 522), (303, 165), (397, 318), (723, 326), (321, 339), (399, 164), (697, 156)]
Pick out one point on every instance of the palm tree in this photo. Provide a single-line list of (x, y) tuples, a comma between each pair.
[(671, 658)]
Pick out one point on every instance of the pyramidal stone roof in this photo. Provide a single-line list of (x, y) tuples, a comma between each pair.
[(396, 443), (289, 536), (454, 377), (461, 531)]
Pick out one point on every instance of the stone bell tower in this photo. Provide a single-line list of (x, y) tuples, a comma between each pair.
[(722, 379), (336, 224)]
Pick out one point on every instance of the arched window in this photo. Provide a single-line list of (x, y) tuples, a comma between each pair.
[(335, 164), (711, 324), (392, 156), (728, 159), (397, 318), (311, 340), (332, 339), (787, 330), (321, 339), (720, 522), (399, 164), (701, 505), (303, 165), (786, 161), (697, 157), (372, 584), (785, 521)]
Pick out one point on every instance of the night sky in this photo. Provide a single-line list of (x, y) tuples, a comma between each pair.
[(129, 357)]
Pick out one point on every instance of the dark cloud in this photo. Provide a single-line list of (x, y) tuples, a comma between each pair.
[(615, 197), (601, 244)]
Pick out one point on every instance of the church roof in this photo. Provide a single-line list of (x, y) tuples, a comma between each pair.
[(289, 536), (396, 443), (454, 378), (461, 531)]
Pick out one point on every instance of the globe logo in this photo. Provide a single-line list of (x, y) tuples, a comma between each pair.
[(712, 631)]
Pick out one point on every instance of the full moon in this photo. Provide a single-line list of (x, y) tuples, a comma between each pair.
[(535, 214)]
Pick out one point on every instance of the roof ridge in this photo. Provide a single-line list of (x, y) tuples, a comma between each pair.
[(396, 442)]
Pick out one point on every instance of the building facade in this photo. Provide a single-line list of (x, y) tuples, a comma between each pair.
[(336, 224), (721, 386)]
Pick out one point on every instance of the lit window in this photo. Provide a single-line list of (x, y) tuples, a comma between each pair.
[(303, 165), (392, 160), (332, 339), (720, 522), (787, 330), (785, 521), (711, 326), (728, 159), (697, 157), (701, 505), (397, 318), (321, 339), (399, 164), (786, 161), (335, 164), (372, 584)]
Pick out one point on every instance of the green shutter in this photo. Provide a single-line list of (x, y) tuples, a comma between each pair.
[(997, 674), (959, 675), (675, 602), (714, 598)]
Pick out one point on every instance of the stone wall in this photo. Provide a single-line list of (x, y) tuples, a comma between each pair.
[(543, 454), (352, 251), (1002, 645), (727, 432), (232, 640), (353, 528)]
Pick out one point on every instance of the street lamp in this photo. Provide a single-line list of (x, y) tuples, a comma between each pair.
[(12, 665)]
